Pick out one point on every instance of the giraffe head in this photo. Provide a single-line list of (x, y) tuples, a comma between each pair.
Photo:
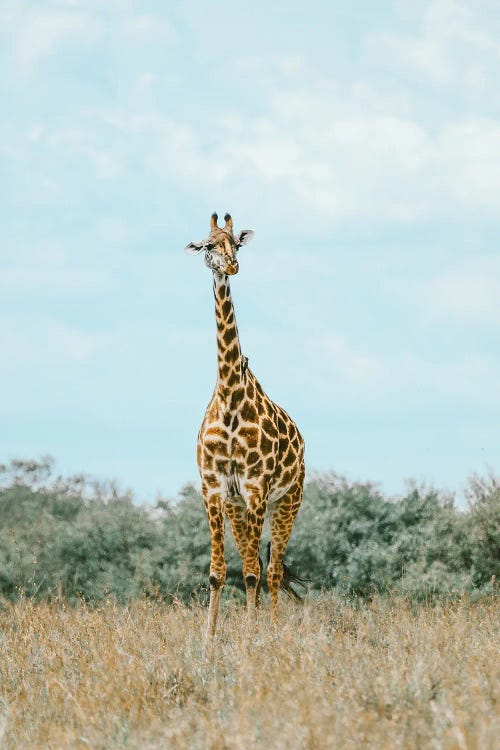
[(221, 246)]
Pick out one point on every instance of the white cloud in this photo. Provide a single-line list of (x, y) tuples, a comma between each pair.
[(347, 151), (378, 166), (40, 267), (468, 293), (358, 368), (320, 152), (62, 279), (42, 341), (467, 158), (71, 343), (355, 151), (403, 377), (259, 66), (473, 378), (87, 142), (453, 44), (340, 164), (35, 33), (144, 28)]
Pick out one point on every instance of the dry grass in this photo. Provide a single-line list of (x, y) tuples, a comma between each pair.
[(384, 675)]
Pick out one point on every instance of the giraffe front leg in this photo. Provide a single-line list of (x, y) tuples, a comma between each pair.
[(217, 577), (237, 515), (281, 521), (252, 563)]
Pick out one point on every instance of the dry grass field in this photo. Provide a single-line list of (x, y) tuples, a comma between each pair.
[(382, 675)]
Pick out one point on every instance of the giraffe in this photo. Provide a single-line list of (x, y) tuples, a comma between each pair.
[(250, 452)]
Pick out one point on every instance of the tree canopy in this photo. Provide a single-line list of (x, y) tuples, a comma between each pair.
[(77, 539)]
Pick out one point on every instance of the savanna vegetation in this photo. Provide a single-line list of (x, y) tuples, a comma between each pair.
[(70, 538), (102, 623), (334, 674)]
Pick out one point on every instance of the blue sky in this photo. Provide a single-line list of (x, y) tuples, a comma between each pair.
[(360, 141)]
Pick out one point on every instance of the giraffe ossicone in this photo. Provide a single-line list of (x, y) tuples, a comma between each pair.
[(250, 452)]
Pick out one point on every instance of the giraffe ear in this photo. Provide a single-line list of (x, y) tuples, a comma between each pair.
[(244, 236), (194, 248)]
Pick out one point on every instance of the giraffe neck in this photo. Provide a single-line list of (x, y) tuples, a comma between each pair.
[(230, 362)]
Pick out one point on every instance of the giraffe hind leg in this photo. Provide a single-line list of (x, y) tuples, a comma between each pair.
[(237, 515), (289, 578), (217, 576), (252, 564), (281, 521)]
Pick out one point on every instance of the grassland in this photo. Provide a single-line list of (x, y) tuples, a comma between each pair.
[(381, 675)]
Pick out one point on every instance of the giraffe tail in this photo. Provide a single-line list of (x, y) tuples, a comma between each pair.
[(290, 577)]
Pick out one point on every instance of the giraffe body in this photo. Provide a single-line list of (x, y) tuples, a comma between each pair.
[(250, 452), (250, 445)]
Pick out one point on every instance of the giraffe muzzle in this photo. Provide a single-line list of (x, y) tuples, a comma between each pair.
[(232, 268)]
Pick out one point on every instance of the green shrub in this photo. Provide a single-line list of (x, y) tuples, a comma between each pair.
[(71, 537)]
